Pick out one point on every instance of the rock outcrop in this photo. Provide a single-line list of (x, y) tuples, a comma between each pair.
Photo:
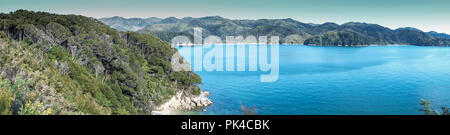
[(183, 101), (37, 35)]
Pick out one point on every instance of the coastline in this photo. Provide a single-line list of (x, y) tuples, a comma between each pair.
[(193, 45), (183, 101)]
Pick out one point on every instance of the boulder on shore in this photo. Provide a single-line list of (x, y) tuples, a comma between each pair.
[(183, 101)]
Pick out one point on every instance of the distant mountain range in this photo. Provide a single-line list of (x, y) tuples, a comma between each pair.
[(290, 31), (131, 24), (442, 35)]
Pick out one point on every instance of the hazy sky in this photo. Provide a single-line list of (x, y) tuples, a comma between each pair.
[(426, 15)]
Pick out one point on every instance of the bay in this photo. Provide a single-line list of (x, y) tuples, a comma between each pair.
[(374, 80)]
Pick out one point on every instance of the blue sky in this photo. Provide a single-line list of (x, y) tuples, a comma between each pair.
[(426, 15)]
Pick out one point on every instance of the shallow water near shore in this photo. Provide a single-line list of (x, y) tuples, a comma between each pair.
[(335, 80)]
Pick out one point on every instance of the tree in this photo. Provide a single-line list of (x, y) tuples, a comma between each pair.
[(98, 69), (428, 111), (74, 52), (64, 68)]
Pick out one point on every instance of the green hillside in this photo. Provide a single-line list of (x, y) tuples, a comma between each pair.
[(70, 64), (294, 32)]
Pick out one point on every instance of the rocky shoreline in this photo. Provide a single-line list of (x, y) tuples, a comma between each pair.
[(183, 101)]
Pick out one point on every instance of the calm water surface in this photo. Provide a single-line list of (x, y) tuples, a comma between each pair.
[(336, 80)]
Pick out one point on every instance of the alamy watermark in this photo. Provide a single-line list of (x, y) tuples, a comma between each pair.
[(235, 46)]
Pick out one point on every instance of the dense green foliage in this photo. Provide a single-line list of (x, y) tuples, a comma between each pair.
[(168, 36), (435, 34), (294, 32), (69, 64), (344, 38)]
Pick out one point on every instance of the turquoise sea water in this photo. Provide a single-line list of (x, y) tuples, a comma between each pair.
[(336, 80)]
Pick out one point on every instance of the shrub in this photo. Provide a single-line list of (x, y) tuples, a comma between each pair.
[(429, 111), (36, 108), (6, 100)]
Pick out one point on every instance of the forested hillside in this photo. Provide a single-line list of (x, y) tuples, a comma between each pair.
[(70, 64), (293, 32)]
